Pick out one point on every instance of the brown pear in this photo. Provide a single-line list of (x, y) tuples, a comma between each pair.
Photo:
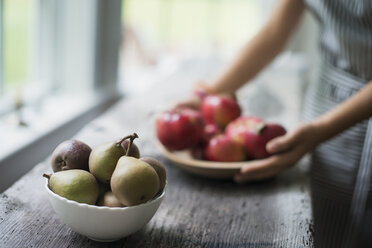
[(133, 151), (70, 154), (160, 170)]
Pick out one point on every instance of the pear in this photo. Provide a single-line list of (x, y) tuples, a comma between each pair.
[(109, 200), (103, 159), (76, 185), (134, 181), (70, 154), (133, 151), (160, 170)]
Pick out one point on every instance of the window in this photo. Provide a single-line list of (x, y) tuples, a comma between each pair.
[(54, 47), (19, 34)]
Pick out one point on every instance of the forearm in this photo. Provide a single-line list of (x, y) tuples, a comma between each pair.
[(352, 111), (261, 50)]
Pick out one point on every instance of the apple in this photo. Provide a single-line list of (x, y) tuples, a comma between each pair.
[(210, 130), (180, 128), (240, 126), (256, 138), (223, 149), (219, 110)]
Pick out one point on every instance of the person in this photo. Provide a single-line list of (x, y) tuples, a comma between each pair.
[(337, 110)]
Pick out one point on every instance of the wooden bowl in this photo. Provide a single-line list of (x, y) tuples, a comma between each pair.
[(184, 160)]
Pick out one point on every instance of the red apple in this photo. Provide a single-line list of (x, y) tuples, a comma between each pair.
[(255, 139), (223, 149), (239, 127), (219, 110), (179, 128), (210, 130)]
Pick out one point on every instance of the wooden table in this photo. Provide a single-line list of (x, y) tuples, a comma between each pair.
[(196, 212)]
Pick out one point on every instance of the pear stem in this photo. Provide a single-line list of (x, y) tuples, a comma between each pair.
[(121, 141), (259, 127), (47, 175), (131, 138)]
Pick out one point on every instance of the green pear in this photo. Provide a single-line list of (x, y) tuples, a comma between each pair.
[(109, 200), (160, 170), (103, 158), (75, 184), (134, 181)]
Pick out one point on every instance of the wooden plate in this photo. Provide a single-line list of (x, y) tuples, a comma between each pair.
[(184, 160)]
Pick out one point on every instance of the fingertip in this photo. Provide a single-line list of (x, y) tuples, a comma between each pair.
[(272, 147), (276, 145), (245, 169)]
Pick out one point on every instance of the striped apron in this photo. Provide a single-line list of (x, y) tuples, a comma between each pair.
[(342, 167)]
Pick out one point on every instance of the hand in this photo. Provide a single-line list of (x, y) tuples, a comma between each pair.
[(287, 150), (200, 90), (193, 102)]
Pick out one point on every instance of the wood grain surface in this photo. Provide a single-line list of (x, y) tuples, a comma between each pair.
[(196, 212)]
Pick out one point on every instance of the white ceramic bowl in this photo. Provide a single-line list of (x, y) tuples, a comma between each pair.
[(101, 223)]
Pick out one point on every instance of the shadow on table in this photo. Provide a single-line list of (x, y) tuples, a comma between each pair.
[(294, 177)]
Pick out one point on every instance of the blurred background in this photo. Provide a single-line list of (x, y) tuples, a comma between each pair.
[(64, 62)]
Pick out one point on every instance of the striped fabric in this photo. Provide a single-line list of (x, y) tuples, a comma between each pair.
[(342, 167), (346, 34)]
